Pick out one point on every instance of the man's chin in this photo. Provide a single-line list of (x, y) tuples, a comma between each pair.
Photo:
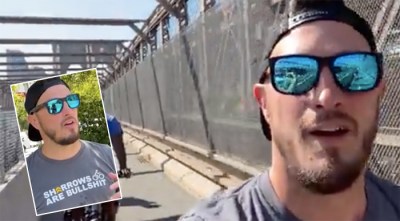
[(68, 140), (328, 177)]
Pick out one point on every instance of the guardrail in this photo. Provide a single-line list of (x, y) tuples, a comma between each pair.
[(10, 145), (197, 88)]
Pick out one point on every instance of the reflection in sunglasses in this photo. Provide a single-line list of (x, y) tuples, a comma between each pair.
[(58, 104), (297, 74), (55, 106)]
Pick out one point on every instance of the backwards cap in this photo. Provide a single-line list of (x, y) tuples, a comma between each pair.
[(32, 97)]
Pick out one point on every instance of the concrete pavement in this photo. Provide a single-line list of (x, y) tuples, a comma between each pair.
[(149, 195), (16, 200), (185, 169)]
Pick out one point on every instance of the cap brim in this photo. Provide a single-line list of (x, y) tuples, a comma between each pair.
[(33, 134)]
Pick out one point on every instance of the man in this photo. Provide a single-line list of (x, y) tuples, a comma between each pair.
[(66, 171), (319, 94), (108, 209), (117, 141)]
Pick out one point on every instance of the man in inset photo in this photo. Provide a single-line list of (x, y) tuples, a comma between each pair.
[(66, 172)]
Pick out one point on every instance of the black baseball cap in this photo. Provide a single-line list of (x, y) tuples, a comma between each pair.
[(305, 11), (33, 94)]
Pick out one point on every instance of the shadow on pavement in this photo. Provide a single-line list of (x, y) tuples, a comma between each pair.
[(171, 218), (146, 172), (16, 200), (133, 201)]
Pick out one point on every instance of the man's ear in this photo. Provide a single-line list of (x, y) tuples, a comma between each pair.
[(32, 120), (259, 94)]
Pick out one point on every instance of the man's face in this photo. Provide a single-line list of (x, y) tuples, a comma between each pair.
[(322, 163), (62, 128)]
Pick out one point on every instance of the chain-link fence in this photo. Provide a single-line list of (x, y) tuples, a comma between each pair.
[(385, 17), (198, 87), (6, 102), (10, 145)]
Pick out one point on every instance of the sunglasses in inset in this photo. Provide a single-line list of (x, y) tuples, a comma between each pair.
[(56, 105), (298, 74)]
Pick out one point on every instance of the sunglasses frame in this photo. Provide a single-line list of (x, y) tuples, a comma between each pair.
[(44, 104), (321, 62)]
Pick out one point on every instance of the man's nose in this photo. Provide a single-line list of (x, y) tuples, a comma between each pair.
[(66, 109), (327, 94)]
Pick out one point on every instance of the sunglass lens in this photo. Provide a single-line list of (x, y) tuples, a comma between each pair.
[(356, 72), (73, 101), (295, 75), (55, 106)]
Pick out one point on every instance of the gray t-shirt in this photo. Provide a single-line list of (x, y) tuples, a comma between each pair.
[(255, 200), (80, 180)]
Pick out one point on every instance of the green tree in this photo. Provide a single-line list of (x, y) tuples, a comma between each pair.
[(91, 114), (20, 109)]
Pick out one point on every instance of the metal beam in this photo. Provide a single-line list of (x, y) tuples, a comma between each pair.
[(8, 83), (51, 63), (25, 77), (68, 21), (140, 33), (60, 41), (54, 54), (124, 50), (388, 24), (108, 72), (170, 8), (380, 18), (33, 71), (21, 80)]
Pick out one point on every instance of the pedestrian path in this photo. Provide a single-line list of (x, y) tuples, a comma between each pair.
[(149, 195)]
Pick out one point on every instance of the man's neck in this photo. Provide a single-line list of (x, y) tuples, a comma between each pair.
[(348, 205), (55, 151)]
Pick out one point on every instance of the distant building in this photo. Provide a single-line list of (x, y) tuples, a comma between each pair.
[(38, 70), (84, 62), (16, 61)]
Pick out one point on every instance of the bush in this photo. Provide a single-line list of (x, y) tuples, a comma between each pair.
[(20, 109), (90, 113)]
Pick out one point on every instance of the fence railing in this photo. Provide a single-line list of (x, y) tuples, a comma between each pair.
[(198, 87), (10, 145)]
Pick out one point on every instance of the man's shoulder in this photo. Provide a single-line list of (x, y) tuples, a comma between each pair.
[(385, 187), (98, 147), (109, 116), (33, 157), (101, 151), (213, 207), (227, 204), (111, 119)]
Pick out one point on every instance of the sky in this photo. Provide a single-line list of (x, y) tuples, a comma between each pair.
[(122, 9)]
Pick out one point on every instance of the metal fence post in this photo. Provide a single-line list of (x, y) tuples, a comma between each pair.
[(2, 147)]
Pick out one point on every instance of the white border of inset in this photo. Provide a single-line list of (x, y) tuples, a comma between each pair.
[(108, 131)]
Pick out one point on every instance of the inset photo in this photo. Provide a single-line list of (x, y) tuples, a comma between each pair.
[(66, 142)]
